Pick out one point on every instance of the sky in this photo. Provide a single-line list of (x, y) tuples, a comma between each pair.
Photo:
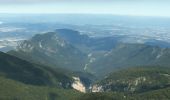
[(116, 7)]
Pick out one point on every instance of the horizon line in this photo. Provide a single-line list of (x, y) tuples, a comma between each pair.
[(28, 13)]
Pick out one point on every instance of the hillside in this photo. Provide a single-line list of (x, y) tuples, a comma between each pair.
[(20, 70), (161, 94), (35, 74), (14, 90), (135, 80), (22, 80), (134, 83)]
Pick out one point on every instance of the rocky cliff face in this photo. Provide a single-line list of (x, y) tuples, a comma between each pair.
[(97, 88), (78, 85)]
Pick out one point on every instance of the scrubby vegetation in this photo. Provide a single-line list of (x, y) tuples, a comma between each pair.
[(13, 90)]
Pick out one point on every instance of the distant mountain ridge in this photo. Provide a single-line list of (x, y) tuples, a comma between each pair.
[(50, 49), (125, 55), (69, 49)]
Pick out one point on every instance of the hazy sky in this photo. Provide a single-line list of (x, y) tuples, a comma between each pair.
[(116, 7)]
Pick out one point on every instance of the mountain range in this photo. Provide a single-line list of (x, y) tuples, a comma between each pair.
[(60, 65), (99, 56)]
